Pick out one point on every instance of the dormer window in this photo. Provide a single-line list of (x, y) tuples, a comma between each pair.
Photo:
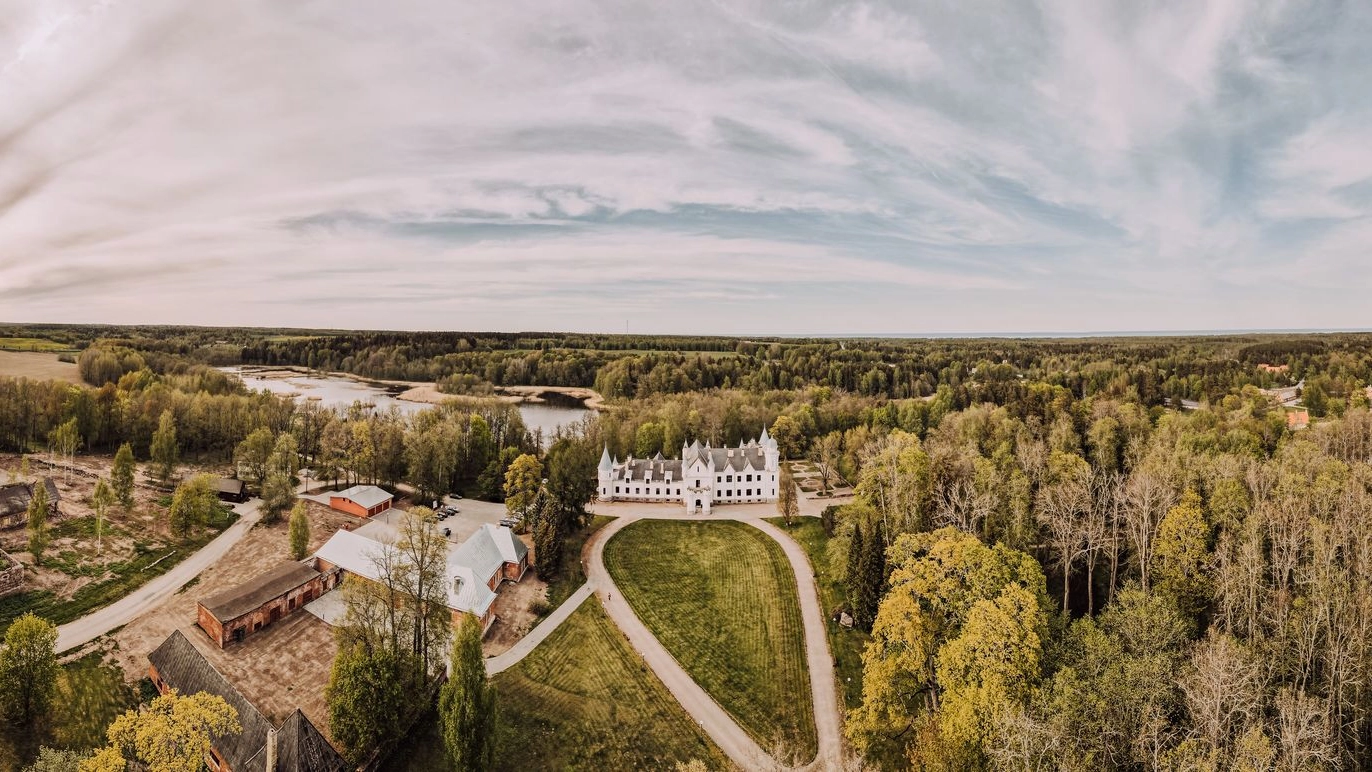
[(457, 585)]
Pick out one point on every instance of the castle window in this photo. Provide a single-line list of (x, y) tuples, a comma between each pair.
[(729, 478), (616, 489), (750, 478)]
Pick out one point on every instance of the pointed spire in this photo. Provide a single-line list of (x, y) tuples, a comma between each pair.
[(605, 463), (763, 439)]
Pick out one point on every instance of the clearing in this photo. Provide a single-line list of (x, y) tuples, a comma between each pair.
[(846, 644), (582, 700), (36, 365), (721, 597)]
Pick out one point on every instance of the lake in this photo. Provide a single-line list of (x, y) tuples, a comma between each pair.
[(337, 391)]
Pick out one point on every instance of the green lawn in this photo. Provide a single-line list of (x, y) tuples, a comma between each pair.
[(150, 559), (721, 597), (32, 344), (90, 694), (573, 574), (581, 700), (846, 645)]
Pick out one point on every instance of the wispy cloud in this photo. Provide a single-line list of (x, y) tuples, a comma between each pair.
[(708, 166)]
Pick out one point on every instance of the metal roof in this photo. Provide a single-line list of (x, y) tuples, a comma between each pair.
[(365, 496)]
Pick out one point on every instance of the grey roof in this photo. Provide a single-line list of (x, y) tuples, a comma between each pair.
[(659, 467), (739, 459), (187, 671), (229, 485), (15, 497), (300, 746), (366, 496), (233, 603)]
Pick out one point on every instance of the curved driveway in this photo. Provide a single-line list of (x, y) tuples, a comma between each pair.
[(713, 719)]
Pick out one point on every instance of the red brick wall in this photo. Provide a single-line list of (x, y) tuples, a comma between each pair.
[(344, 505)]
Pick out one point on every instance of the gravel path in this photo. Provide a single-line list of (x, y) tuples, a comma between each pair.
[(509, 658)]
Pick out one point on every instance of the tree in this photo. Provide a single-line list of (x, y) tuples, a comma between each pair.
[(826, 454), (491, 482), (173, 733), (871, 578), (101, 501), (38, 520), (522, 481), (165, 450), (369, 698), (786, 431), (1181, 557), (285, 458), (277, 495), (423, 585), (192, 505), (64, 440), (548, 537), (121, 477), (788, 505), (56, 760), (300, 531), (28, 668), (572, 478), (253, 456), (466, 703), (853, 576)]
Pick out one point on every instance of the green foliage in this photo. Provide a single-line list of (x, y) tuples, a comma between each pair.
[(369, 697), (121, 476), (56, 760), (193, 506), (870, 581), (1182, 558), (523, 480), (253, 456), (571, 466), (788, 496), (548, 538), (39, 509), (165, 450), (277, 494), (173, 733), (299, 531), (790, 439), (467, 703), (28, 669)]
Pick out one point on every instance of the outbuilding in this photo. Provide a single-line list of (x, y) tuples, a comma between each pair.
[(361, 500), (15, 498), (232, 489), (234, 614)]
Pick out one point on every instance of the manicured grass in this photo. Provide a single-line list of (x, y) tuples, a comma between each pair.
[(721, 597), (846, 645), (581, 700), (148, 561), (90, 694), (573, 573)]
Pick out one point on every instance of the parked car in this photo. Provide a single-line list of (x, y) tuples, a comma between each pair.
[(447, 532), (509, 522)]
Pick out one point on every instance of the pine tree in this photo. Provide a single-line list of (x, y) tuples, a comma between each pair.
[(871, 580), (853, 577), (300, 532), (121, 477), (548, 538), (466, 703), (38, 521)]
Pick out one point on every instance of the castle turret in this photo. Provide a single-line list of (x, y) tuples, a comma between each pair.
[(605, 463)]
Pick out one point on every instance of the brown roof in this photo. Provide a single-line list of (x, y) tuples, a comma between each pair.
[(15, 497), (250, 595), (229, 485), (300, 746)]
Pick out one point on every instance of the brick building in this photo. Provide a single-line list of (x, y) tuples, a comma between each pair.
[(361, 500), (234, 614)]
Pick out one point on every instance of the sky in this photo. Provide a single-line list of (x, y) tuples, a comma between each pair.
[(732, 167)]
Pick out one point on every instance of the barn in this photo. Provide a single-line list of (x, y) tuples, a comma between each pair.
[(294, 746), (361, 500), (231, 489), (234, 614), (15, 498)]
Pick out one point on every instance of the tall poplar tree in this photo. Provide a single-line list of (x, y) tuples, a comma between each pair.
[(165, 450), (121, 477), (466, 703), (38, 521)]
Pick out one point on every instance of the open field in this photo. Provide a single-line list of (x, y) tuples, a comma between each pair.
[(74, 577), (32, 344), (582, 700), (845, 644), (90, 694), (37, 365), (721, 597)]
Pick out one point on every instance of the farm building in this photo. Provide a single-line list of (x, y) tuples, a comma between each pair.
[(475, 568), (15, 498), (361, 500), (294, 746), (11, 575), (236, 613), (231, 489)]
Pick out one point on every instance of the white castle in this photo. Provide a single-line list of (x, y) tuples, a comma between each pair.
[(702, 477)]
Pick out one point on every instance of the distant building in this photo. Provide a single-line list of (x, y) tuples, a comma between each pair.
[(702, 477), (235, 613), (15, 498), (361, 500), (1273, 368), (231, 489), (262, 746), (1298, 418), (475, 568)]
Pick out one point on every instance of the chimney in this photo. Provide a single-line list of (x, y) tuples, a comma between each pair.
[(271, 750)]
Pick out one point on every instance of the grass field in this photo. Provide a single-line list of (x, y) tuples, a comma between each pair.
[(573, 573), (581, 700), (721, 597), (37, 365), (119, 579), (846, 645), (90, 694), (32, 344)]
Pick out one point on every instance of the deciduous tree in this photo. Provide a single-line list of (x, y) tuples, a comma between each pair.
[(101, 501), (121, 476), (253, 455), (166, 451), (173, 733), (192, 505), (39, 509), (522, 481), (28, 668), (300, 531), (788, 495)]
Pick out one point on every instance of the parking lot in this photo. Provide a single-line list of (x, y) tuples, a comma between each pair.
[(473, 514)]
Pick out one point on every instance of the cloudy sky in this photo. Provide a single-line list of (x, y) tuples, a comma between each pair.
[(731, 167)]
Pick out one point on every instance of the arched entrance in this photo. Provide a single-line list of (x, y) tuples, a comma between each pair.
[(698, 505)]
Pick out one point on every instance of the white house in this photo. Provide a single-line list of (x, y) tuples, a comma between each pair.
[(702, 477)]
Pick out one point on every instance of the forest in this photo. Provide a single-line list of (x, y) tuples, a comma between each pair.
[(1060, 564)]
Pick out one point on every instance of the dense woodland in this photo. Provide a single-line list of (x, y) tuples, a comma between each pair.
[(1058, 567)]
